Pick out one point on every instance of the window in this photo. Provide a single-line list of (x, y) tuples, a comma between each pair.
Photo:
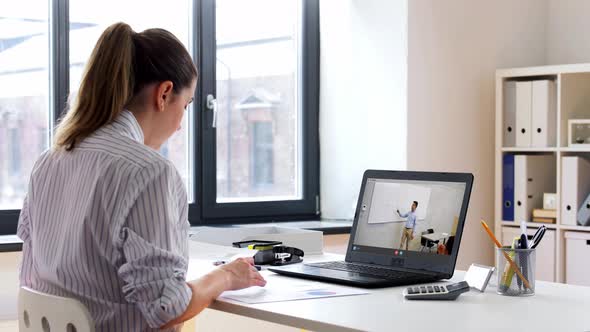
[(15, 169), (24, 101), (259, 68), (89, 18), (261, 155), (258, 64)]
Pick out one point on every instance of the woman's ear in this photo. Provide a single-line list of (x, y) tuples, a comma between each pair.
[(164, 94)]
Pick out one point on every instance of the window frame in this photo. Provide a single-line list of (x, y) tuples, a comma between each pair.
[(203, 38), (306, 208), (59, 76)]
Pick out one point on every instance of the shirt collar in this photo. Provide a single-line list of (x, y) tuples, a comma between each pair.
[(126, 124)]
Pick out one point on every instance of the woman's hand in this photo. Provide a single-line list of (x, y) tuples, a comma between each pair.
[(241, 273), (238, 274)]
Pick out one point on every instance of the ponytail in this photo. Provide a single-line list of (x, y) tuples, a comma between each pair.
[(122, 63), (107, 85)]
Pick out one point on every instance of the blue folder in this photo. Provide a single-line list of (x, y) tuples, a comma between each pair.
[(508, 187)]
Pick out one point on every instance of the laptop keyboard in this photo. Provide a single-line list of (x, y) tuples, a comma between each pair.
[(365, 269)]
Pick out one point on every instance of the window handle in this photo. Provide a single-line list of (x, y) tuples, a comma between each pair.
[(212, 105)]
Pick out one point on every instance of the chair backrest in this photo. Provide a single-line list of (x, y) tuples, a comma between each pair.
[(40, 312)]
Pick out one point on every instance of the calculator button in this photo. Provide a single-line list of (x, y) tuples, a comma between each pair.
[(423, 289), (436, 289), (430, 290)]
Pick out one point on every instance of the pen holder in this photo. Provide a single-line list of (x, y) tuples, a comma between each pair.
[(509, 281)]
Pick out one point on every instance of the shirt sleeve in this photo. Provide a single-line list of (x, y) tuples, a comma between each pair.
[(403, 215), (23, 231), (154, 241)]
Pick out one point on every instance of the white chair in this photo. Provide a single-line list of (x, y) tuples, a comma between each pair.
[(39, 312)]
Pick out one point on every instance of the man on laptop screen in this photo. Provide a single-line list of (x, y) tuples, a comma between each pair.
[(408, 231), (422, 229), (430, 235)]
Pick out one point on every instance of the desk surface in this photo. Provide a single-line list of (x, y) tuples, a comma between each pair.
[(554, 307), (436, 236)]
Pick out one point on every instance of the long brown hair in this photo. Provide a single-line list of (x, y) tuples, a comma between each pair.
[(121, 64)]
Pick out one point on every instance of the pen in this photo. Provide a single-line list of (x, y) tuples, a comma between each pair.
[(516, 245), (537, 237), (523, 256), (499, 245), (523, 239), (217, 263)]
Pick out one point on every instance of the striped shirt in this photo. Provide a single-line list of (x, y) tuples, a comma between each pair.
[(107, 224)]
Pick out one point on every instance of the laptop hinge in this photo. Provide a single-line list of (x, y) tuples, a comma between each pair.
[(405, 269), (432, 273)]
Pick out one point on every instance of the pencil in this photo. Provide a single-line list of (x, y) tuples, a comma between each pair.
[(499, 245)]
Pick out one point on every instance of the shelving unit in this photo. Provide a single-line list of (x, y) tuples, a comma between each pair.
[(573, 102), (586, 150), (531, 224), (528, 150)]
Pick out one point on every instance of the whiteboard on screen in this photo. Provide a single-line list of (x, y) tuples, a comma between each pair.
[(389, 197)]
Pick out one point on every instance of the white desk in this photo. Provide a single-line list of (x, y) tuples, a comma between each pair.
[(554, 307), (436, 236)]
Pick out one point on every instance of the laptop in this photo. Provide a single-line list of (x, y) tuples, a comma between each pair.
[(406, 230)]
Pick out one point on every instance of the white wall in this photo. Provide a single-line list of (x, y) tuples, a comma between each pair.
[(455, 46), (362, 96), (568, 31)]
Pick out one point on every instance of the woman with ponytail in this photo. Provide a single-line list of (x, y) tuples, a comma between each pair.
[(105, 219)]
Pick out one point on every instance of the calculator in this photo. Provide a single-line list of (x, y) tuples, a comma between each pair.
[(436, 292)]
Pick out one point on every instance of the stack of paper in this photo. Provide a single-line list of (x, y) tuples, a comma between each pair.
[(279, 288)]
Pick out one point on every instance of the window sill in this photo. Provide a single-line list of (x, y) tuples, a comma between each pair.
[(10, 243), (327, 226)]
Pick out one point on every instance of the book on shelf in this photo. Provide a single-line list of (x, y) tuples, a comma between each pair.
[(544, 220), (542, 213)]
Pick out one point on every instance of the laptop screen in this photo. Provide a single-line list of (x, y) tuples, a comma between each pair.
[(409, 223)]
